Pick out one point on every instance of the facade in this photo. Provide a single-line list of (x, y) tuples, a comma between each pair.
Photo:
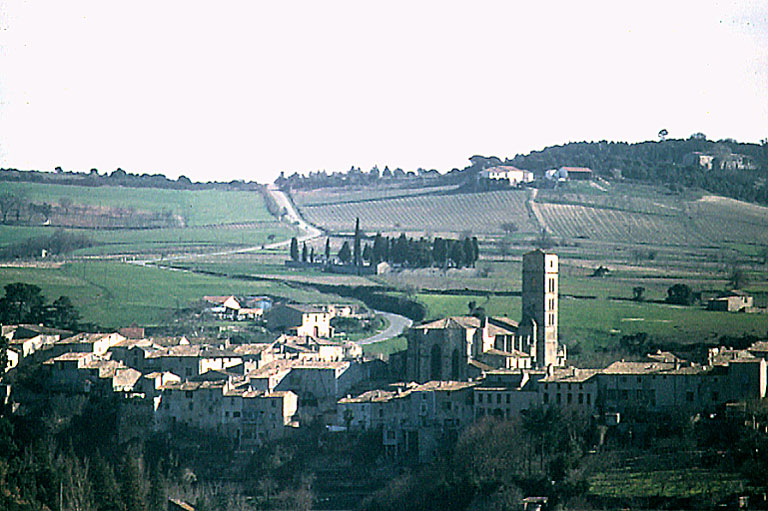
[(248, 417), (301, 320), (415, 419), (659, 386), (508, 173)]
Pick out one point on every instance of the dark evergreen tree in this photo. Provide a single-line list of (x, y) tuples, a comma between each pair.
[(356, 252), (106, 491), (131, 491), (304, 252), (294, 249), (158, 493), (439, 251), (22, 303), (469, 251), (345, 254), (62, 314), (327, 250)]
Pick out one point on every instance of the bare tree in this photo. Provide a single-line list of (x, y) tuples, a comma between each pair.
[(9, 202)]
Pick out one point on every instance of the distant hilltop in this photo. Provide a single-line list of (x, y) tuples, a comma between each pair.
[(724, 167)]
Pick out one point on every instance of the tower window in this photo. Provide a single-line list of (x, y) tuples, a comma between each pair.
[(551, 285)]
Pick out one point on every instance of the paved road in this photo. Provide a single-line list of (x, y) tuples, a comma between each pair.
[(397, 325), (309, 230)]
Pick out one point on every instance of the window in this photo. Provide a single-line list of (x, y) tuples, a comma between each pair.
[(188, 394), (274, 403), (235, 414), (689, 396), (546, 398), (507, 398), (570, 398), (559, 399), (581, 398), (551, 285), (498, 399), (589, 399)]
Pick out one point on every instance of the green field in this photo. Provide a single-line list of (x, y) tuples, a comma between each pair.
[(115, 295), (211, 219), (190, 239), (197, 207)]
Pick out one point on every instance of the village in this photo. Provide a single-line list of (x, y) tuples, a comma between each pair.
[(455, 371)]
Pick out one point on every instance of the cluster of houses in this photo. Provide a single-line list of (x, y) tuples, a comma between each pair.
[(237, 308), (249, 393), (454, 371), (515, 177), (415, 418)]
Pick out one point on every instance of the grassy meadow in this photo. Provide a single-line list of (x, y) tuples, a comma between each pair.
[(197, 207), (115, 294)]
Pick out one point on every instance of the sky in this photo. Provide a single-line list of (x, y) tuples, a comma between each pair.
[(247, 89)]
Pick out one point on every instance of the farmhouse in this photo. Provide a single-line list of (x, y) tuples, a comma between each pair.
[(512, 175), (301, 320), (576, 173), (735, 301)]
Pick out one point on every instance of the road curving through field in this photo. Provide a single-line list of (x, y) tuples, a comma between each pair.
[(397, 325)]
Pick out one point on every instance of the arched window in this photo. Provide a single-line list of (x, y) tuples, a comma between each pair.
[(436, 363), (455, 358)]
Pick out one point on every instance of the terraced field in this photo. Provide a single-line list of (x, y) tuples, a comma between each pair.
[(481, 213), (706, 222)]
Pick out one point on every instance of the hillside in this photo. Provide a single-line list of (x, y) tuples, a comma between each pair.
[(135, 221)]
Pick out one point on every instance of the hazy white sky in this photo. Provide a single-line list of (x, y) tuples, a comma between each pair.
[(245, 89)]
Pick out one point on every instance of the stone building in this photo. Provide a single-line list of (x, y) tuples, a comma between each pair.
[(540, 307), (462, 347)]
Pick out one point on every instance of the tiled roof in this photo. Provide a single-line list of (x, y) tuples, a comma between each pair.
[(570, 375)]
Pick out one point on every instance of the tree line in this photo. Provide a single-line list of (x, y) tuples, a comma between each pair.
[(355, 176), (60, 242), (26, 304), (402, 251)]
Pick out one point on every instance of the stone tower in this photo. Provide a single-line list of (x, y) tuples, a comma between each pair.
[(540, 307)]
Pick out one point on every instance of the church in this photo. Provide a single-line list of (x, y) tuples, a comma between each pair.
[(460, 348)]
